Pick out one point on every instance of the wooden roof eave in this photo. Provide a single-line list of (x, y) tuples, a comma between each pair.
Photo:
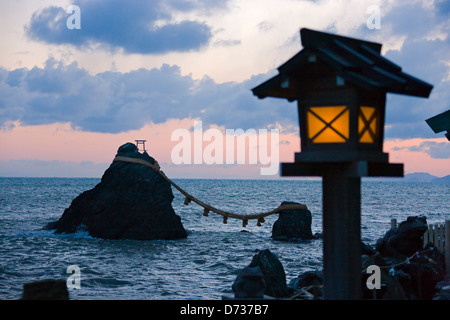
[(274, 88)]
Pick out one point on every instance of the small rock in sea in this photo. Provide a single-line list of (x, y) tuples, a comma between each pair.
[(293, 224)]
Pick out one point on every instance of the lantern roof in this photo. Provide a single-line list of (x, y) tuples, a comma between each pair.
[(354, 61)]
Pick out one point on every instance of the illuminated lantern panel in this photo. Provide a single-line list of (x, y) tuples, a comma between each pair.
[(367, 125), (328, 124)]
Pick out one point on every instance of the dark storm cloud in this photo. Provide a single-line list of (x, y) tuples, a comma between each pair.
[(116, 102), (130, 25)]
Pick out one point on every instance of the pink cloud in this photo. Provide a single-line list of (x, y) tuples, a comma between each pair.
[(401, 151)]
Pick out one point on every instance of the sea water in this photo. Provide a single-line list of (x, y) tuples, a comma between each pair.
[(202, 266)]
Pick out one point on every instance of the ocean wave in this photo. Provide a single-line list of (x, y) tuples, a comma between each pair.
[(104, 282), (82, 234)]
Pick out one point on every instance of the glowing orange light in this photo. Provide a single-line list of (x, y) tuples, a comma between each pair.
[(367, 125), (328, 124)]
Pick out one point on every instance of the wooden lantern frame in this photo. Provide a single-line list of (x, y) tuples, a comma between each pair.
[(333, 70)]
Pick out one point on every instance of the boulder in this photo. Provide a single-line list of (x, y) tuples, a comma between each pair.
[(412, 279), (311, 282), (249, 284), (132, 201), (391, 283), (443, 288), (367, 249), (45, 290), (404, 240), (273, 271), (425, 272), (292, 224)]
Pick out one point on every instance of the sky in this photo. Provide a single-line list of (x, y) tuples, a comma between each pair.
[(73, 88)]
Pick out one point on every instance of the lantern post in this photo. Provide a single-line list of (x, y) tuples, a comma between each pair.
[(340, 86)]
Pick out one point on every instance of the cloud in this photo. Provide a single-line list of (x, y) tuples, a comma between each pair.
[(144, 27), (226, 43), (191, 5), (443, 7), (265, 26), (436, 150), (423, 54), (115, 102), (416, 34)]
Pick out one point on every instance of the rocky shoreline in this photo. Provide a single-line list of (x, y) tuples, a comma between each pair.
[(408, 271)]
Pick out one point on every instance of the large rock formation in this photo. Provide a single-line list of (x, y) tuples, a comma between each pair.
[(132, 201)]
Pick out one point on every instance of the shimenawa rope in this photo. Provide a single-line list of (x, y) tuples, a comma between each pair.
[(208, 208)]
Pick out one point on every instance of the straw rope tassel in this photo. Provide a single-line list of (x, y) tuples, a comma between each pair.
[(260, 221)]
